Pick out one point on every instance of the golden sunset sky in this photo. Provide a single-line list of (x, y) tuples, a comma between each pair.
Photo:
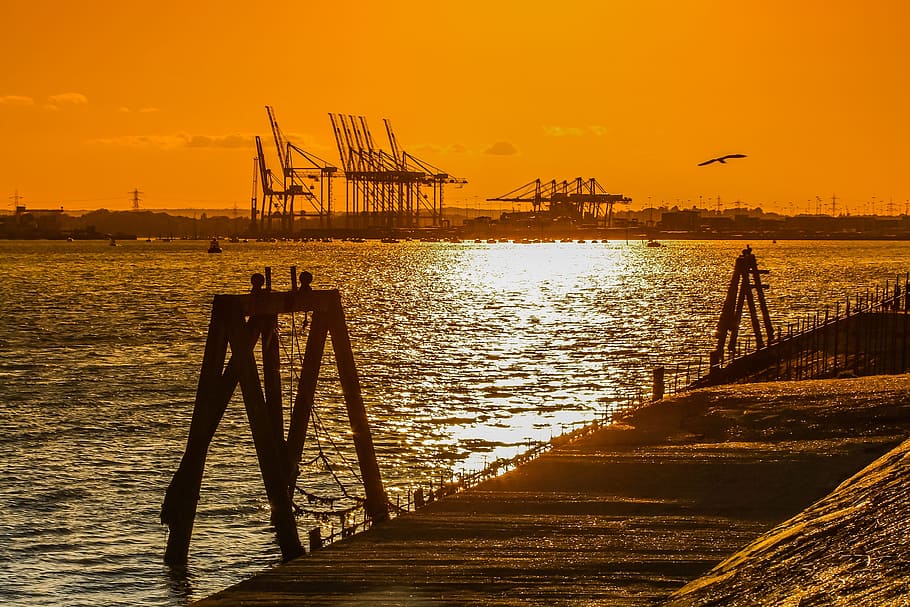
[(99, 97)]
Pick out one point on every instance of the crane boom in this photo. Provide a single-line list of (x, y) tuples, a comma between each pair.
[(342, 150), (393, 143), (279, 139)]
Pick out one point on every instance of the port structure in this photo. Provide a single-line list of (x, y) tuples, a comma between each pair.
[(387, 189), (303, 176), (584, 201)]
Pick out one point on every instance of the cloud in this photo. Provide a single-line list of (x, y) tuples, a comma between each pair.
[(502, 148), (144, 141), (573, 131), (219, 141), (16, 100), (437, 150), (178, 140), (67, 99), (145, 110)]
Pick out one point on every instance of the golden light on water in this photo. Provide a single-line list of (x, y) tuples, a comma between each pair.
[(519, 295)]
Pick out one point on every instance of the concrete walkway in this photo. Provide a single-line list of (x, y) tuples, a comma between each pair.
[(624, 516)]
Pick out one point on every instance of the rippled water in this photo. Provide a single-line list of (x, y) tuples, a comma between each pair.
[(465, 351)]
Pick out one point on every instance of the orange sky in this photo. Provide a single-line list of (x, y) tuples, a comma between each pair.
[(100, 97)]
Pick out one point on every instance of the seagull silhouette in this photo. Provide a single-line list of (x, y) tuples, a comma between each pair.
[(721, 159)]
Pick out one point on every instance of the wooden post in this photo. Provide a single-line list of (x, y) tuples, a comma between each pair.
[(657, 384), (315, 537)]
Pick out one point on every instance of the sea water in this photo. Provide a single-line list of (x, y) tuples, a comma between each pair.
[(466, 352)]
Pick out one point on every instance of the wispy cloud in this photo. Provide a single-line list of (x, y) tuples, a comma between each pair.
[(145, 110), (67, 99), (16, 100), (552, 130), (178, 140), (53, 103), (501, 148), (233, 140), (438, 150)]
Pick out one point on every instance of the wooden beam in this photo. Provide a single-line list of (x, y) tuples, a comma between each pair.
[(275, 302), (762, 304), (213, 393), (753, 314), (306, 392), (271, 373), (738, 313), (728, 312), (271, 464), (376, 500)]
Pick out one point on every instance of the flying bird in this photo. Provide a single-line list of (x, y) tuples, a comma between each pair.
[(721, 159)]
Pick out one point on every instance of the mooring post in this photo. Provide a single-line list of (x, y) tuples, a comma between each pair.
[(657, 384), (315, 537)]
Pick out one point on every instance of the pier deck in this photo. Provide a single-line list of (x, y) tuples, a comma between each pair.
[(623, 516)]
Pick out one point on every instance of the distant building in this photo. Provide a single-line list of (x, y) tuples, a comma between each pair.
[(34, 223), (680, 221)]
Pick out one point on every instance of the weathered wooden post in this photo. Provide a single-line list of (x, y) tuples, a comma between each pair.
[(238, 322), (315, 537), (657, 384)]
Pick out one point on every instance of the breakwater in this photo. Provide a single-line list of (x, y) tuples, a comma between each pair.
[(624, 515), (865, 335)]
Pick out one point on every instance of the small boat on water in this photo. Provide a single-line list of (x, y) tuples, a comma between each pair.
[(112, 242), (654, 243), (214, 247)]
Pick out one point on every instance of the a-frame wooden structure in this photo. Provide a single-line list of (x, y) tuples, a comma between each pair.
[(239, 322), (745, 288)]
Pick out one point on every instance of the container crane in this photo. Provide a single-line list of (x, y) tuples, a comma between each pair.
[(299, 181), (269, 189), (584, 201)]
